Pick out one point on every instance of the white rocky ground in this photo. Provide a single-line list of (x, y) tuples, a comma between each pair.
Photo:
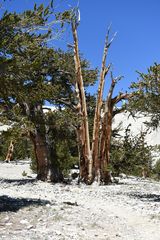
[(33, 210)]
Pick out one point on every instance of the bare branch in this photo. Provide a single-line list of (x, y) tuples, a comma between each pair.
[(107, 70), (121, 96), (112, 86), (43, 27), (67, 103), (70, 45), (112, 39)]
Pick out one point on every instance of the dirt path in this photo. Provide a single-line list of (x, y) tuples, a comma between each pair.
[(36, 210)]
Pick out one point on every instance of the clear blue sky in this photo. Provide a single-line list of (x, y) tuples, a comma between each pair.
[(137, 44)]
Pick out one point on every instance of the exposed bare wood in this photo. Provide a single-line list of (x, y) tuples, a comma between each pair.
[(106, 135), (96, 125), (10, 152), (95, 166), (122, 96), (106, 132), (84, 131)]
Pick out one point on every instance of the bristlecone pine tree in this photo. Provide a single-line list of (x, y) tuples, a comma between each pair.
[(31, 73), (95, 154), (24, 63)]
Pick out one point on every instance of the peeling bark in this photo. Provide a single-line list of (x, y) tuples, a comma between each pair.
[(106, 132), (47, 166), (86, 157), (96, 139), (97, 117), (94, 163), (41, 155)]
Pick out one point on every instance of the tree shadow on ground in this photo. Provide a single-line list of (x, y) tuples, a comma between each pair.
[(10, 204), (18, 181), (146, 197)]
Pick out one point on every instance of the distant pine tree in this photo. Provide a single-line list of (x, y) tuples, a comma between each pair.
[(147, 97)]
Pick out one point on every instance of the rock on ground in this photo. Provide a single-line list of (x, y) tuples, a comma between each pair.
[(32, 210)]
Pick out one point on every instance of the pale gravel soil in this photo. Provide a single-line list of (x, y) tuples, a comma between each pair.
[(34, 210)]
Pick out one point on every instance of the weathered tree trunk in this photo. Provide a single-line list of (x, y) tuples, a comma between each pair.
[(55, 175), (94, 165), (106, 137), (81, 136), (86, 157), (10, 152), (106, 133), (82, 162), (97, 117), (47, 166), (105, 144), (42, 155), (96, 140)]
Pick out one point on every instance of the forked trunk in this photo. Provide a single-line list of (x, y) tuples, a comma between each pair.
[(96, 148), (94, 165), (106, 133), (97, 118)]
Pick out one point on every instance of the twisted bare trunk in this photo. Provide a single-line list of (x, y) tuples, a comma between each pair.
[(105, 145), (96, 139), (86, 157), (97, 117), (106, 136)]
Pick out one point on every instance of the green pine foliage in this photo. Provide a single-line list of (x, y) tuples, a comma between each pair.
[(156, 170), (22, 146), (147, 95), (61, 126), (32, 73), (131, 155)]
